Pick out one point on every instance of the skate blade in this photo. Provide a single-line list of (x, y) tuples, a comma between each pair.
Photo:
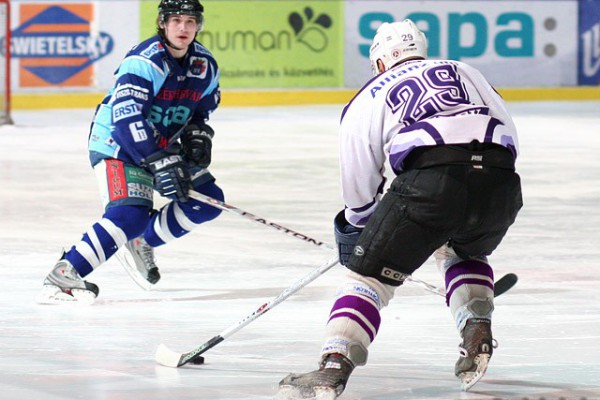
[(129, 267), (304, 393), (51, 294), (468, 379)]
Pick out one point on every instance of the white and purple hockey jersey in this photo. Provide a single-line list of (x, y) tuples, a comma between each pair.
[(416, 103)]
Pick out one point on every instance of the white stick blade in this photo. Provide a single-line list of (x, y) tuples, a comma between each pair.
[(167, 357)]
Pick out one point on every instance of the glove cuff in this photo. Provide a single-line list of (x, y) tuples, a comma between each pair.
[(346, 237), (342, 225)]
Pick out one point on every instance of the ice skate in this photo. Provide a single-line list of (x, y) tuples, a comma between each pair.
[(139, 262), (326, 383), (64, 285), (475, 352)]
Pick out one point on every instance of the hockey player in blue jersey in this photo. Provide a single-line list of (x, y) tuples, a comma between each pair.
[(451, 144), (149, 133)]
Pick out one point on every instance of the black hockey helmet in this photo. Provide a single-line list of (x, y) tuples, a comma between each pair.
[(166, 8)]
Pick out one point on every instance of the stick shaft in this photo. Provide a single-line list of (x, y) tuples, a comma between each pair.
[(249, 216), (295, 287), (172, 359), (502, 285), (290, 232)]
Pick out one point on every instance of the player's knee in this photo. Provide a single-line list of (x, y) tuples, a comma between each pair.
[(373, 267), (200, 212), (132, 220), (210, 212)]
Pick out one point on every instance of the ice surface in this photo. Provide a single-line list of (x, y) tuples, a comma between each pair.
[(280, 163)]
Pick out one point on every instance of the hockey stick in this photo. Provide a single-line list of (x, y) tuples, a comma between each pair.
[(501, 286), (504, 284), (170, 358)]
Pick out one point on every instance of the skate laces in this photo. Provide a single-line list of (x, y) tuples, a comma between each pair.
[(147, 253), (70, 273), (67, 271), (477, 339), (336, 362)]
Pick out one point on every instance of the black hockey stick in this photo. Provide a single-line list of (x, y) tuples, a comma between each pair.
[(170, 358), (505, 283), (501, 286)]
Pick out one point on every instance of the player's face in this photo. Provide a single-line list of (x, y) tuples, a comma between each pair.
[(181, 30)]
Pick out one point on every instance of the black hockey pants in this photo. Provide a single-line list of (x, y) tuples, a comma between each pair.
[(453, 194)]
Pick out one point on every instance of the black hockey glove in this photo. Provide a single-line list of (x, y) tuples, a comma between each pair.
[(171, 176), (346, 236), (197, 144)]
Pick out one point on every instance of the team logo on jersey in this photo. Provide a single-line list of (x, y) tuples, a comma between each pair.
[(198, 67), (55, 45)]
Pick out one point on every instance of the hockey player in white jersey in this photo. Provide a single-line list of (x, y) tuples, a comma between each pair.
[(452, 145)]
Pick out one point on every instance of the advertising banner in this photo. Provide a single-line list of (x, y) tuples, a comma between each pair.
[(514, 43), (271, 44), (70, 45), (291, 44), (589, 42)]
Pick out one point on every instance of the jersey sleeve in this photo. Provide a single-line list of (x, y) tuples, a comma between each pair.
[(211, 97), (138, 80), (362, 160)]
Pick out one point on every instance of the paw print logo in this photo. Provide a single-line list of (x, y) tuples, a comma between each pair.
[(311, 32)]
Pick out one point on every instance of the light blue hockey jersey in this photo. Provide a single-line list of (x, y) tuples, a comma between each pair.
[(153, 99)]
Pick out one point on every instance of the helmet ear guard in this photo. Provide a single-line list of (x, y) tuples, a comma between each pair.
[(395, 43)]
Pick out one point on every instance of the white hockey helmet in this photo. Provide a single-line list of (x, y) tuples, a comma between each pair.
[(397, 42)]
